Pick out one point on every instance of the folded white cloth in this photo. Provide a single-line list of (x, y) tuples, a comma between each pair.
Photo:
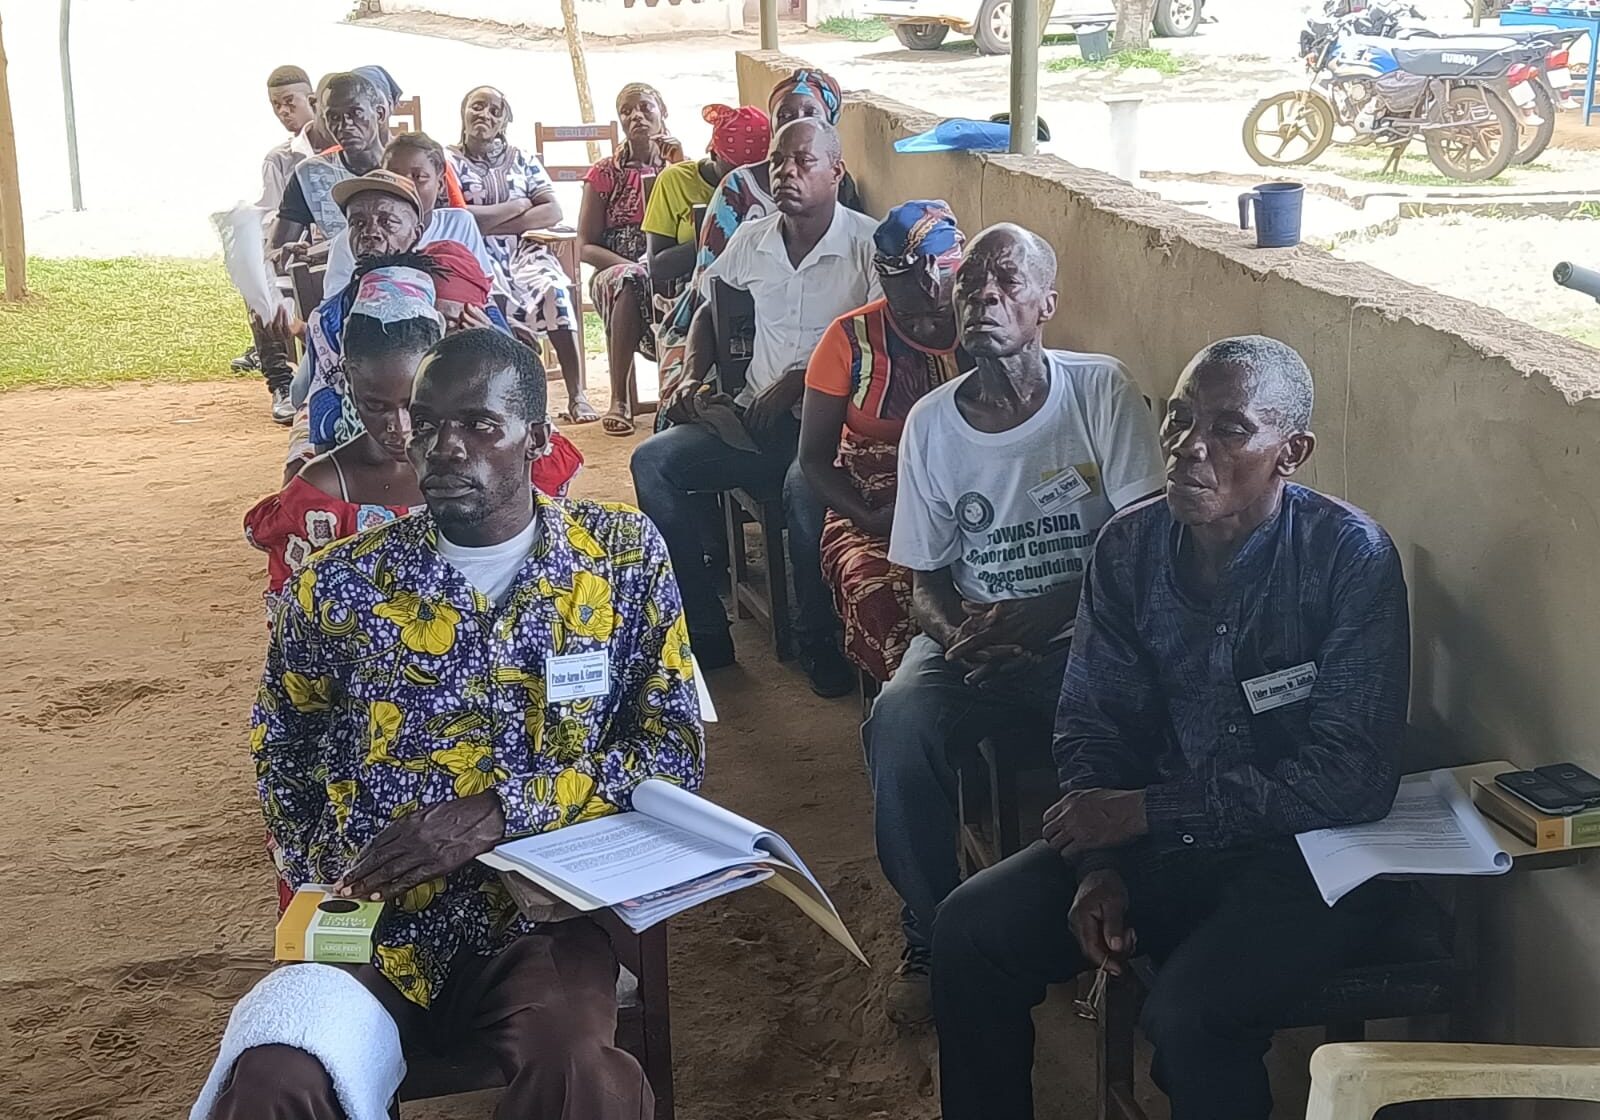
[(330, 1015)]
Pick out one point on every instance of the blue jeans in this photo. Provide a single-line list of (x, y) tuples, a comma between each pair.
[(672, 466), (924, 725)]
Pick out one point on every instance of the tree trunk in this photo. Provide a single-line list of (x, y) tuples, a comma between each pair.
[(13, 253), (1134, 18), (580, 70)]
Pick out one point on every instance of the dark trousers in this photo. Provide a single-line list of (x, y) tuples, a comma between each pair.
[(545, 1007), (1238, 938), (277, 362), (672, 467), (925, 725)]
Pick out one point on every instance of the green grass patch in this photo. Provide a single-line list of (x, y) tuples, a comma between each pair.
[(1147, 58), (594, 333), (92, 322), (856, 30)]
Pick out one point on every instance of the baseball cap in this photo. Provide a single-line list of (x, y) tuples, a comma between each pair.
[(380, 180)]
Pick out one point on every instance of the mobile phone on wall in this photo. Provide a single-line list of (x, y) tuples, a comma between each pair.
[(1540, 792), (1573, 777)]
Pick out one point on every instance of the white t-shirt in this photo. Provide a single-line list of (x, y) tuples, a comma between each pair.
[(1014, 514), (794, 306), (493, 568), (446, 223)]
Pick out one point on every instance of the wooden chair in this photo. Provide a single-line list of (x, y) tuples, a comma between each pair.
[(1002, 793), (643, 1029), (563, 242), (406, 116), (306, 278), (733, 321), (1415, 968), (608, 135), (1352, 1081)]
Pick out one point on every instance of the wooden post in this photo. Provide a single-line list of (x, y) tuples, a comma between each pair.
[(580, 70), (13, 252)]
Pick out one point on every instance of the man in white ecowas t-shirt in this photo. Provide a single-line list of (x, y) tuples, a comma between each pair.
[(1006, 476)]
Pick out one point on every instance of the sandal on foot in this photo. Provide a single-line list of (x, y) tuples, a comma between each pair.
[(613, 425)]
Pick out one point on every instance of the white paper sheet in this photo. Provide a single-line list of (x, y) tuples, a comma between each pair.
[(1431, 830)]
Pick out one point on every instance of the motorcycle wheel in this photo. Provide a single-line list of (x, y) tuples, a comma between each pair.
[(1535, 140), (1485, 138), (1288, 129)]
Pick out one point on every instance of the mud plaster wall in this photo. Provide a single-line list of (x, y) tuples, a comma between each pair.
[(1474, 439)]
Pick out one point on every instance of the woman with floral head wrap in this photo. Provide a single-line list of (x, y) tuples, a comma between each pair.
[(747, 193), (871, 366), (508, 193), (392, 322), (624, 292)]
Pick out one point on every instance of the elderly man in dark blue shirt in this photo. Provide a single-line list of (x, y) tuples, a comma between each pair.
[(1239, 674)]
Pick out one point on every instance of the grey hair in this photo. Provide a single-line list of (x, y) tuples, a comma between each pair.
[(358, 84), (1039, 255), (1280, 381), (828, 137)]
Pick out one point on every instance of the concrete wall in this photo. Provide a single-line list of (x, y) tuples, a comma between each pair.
[(1474, 439), (595, 17)]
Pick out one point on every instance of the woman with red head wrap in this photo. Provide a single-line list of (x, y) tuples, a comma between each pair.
[(624, 293)]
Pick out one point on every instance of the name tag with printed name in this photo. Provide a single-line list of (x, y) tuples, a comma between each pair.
[(1286, 686), (576, 676), (1060, 490)]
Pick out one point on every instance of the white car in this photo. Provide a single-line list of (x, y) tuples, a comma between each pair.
[(922, 25)]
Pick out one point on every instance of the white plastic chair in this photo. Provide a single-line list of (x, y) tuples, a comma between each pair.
[(1353, 1080)]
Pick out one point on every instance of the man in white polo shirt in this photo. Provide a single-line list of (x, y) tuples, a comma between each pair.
[(804, 266), (1006, 476)]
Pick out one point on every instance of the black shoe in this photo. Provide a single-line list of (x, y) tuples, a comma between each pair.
[(282, 407), (712, 651), (246, 362), (830, 674)]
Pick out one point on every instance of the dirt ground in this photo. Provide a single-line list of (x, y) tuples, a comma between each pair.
[(141, 901)]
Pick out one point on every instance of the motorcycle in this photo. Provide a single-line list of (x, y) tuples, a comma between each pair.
[(1385, 92)]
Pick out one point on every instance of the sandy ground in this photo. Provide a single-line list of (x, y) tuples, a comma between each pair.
[(140, 900), (1503, 263)]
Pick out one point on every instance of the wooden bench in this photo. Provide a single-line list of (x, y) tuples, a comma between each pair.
[(643, 1030)]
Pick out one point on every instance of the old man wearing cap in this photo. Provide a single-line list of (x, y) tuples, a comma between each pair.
[(1006, 475)]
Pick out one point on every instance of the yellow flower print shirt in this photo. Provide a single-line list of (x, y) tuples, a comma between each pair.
[(392, 684)]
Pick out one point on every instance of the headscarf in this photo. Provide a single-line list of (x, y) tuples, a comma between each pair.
[(912, 231), (641, 89), (396, 293), (380, 77), (739, 136), (459, 277), (811, 83)]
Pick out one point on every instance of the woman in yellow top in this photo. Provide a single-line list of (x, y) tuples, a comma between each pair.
[(738, 136)]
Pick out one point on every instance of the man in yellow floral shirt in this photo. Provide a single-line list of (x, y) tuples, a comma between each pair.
[(501, 664)]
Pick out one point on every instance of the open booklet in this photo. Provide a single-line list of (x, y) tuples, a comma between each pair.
[(1431, 830), (672, 852)]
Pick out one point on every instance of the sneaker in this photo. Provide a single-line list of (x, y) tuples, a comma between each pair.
[(282, 407), (830, 674), (909, 999), (246, 362)]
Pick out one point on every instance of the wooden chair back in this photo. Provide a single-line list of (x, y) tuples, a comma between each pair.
[(607, 135), (733, 319), (406, 116), (306, 279)]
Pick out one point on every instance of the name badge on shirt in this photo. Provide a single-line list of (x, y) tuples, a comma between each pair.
[(1286, 686), (576, 676), (1060, 490)]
